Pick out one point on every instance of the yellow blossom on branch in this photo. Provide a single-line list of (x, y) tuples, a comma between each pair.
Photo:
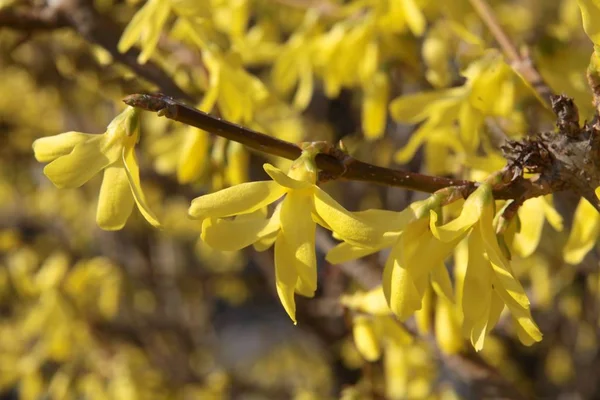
[(291, 226), (489, 282), (76, 157), (419, 247), (416, 257), (489, 90)]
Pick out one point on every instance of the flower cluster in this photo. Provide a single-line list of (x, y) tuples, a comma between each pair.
[(417, 257), (238, 216), (235, 218), (76, 157)]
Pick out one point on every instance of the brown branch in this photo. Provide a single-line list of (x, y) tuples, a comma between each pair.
[(31, 19), (521, 62), (566, 160), (333, 163), (102, 31), (81, 16)]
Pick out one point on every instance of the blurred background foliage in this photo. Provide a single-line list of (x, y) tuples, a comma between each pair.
[(148, 314)]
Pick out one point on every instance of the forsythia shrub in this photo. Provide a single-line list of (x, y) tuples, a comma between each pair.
[(470, 271)]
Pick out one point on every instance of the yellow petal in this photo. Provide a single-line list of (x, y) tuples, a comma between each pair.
[(417, 138), (470, 120), (416, 107), (531, 214), (153, 28), (344, 252), (584, 233), (374, 106), (441, 283), (394, 332), (524, 336), (238, 158), (366, 230), (423, 252), (496, 308), (298, 229), (115, 201), (590, 12), (414, 17), (521, 314), (285, 71), (305, 88), (447, 329), (394, 221), (265, 242), (211, 96), (470, 214), (424, 316), (135, 27), (193, 160), (477, 291), (133, 174), (365, 339), (372, 302), (284, 180), (79, 166), (553, 217), (479, 330), (52, 271), (398, 370), (226, 235), (239, 199), (398, 286), (502, 270), (285, 276), (304, 288), (51, 147)]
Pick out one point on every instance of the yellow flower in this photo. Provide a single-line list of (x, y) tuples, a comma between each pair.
[(590, 12), (146, 26), (447, 327), (469, 104), (374, 105), (489, 281), (416, 258), (347, 251), (377, 329), (402, 14), (76, 157), (532, 215), (293, 66), (584, 233), (237, 93), (291, 226), (148, 22)]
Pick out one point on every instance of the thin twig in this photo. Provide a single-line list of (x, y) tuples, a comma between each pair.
[(95, 28), (347, 168), (81, 16), (521, 63), (34, 19), (334, 164)]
